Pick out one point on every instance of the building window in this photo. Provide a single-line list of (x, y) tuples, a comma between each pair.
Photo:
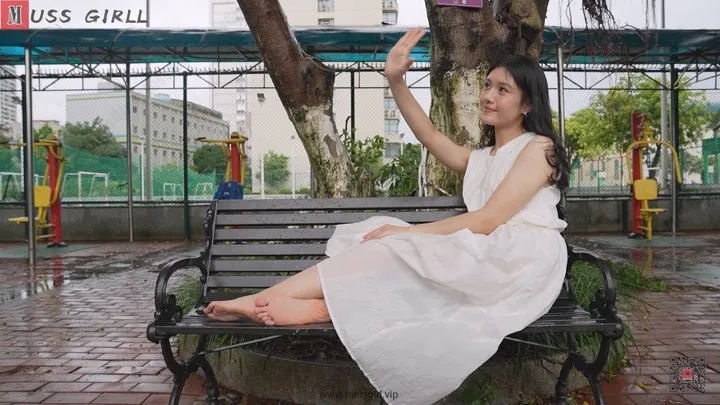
[(135, 109), (326, 6), (390, 104), (164, 117), (172, 119), (392, 150), (164, 135), (155, 115), (326, 22), (391, 126), (389, 17), (164, 153), (155, 133), (135, 129)]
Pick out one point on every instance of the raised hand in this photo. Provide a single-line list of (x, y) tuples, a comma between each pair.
[(398, 60)]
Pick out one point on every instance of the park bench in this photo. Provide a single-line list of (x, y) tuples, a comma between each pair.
[(268, 237)]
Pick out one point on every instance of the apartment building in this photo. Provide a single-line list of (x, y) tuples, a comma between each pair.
[(9, 92), (166, 122)]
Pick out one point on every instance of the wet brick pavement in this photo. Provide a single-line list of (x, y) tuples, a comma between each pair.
[(682, 322), (73, 329), (79, 335)]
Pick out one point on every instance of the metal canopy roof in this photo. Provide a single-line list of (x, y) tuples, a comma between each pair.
[(338, 44)]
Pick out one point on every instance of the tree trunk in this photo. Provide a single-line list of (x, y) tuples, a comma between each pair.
[(464, 42), (305, 87)]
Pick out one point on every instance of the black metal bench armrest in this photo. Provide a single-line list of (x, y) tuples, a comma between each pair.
[(603, 305), (166, 308), (164, 277)]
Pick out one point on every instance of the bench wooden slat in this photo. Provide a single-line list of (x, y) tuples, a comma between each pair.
[(294, 249), (559, 310), (199, 324), (328, 218), (260, 265), (243, 281), (273, 234), (220, 296), (344, 203)]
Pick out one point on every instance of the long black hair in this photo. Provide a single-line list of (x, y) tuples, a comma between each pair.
[(530, 78)]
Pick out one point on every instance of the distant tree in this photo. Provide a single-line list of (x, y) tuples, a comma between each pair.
[(402, 172), (42, 132), (604, 127), (210, 158), (276, 170), (8, 160), (94, 138)]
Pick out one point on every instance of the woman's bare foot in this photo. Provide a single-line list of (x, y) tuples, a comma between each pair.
[(232, 310), (291, 311)]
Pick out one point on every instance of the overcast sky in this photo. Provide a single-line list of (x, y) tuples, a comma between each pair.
[(687, 14)]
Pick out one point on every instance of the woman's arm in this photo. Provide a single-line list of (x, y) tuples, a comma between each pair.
[(397, 64), (529, 174), (443, 148)]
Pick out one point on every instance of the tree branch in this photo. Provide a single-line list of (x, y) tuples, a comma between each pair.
[(283, 55)]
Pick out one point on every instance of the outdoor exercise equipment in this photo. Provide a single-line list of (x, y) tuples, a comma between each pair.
[(644, 190), (47, 193), (231, 188)]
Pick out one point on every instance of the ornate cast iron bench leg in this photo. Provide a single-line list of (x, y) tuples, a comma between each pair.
[(182, 371)]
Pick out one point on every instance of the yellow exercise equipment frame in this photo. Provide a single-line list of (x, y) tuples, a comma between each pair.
[(645, 190), (43, 196)]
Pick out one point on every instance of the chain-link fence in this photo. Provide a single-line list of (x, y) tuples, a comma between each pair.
[(97, 119)]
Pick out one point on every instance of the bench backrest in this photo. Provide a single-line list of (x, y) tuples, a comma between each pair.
[(253, 244)]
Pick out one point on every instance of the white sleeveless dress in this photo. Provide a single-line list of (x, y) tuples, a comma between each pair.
[(420, 312)]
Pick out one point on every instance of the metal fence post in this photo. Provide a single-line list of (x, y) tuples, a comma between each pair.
[(128, 143), (186, 183), (675, 120), (29, 172)]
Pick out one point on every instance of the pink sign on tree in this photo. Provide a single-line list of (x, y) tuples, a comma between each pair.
[(461, 3)]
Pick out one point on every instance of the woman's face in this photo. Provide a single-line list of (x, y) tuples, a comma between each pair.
[(501, 100)]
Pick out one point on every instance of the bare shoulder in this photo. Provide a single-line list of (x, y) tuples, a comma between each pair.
[(538, 146), (535, 155), (541, 142)]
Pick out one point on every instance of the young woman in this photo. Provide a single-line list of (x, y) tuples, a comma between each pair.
[(421, 307)]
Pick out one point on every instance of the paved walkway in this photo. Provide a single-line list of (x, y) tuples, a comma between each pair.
[(74, 328), (682, 322), (79, 335)]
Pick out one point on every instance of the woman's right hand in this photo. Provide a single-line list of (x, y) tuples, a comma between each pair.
[(398, 60)]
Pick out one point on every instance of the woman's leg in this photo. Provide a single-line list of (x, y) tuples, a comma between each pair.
[(303, 285), (282, 310)]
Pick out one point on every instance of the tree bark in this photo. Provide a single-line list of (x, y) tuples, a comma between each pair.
[(464, 42), (305, 87)]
